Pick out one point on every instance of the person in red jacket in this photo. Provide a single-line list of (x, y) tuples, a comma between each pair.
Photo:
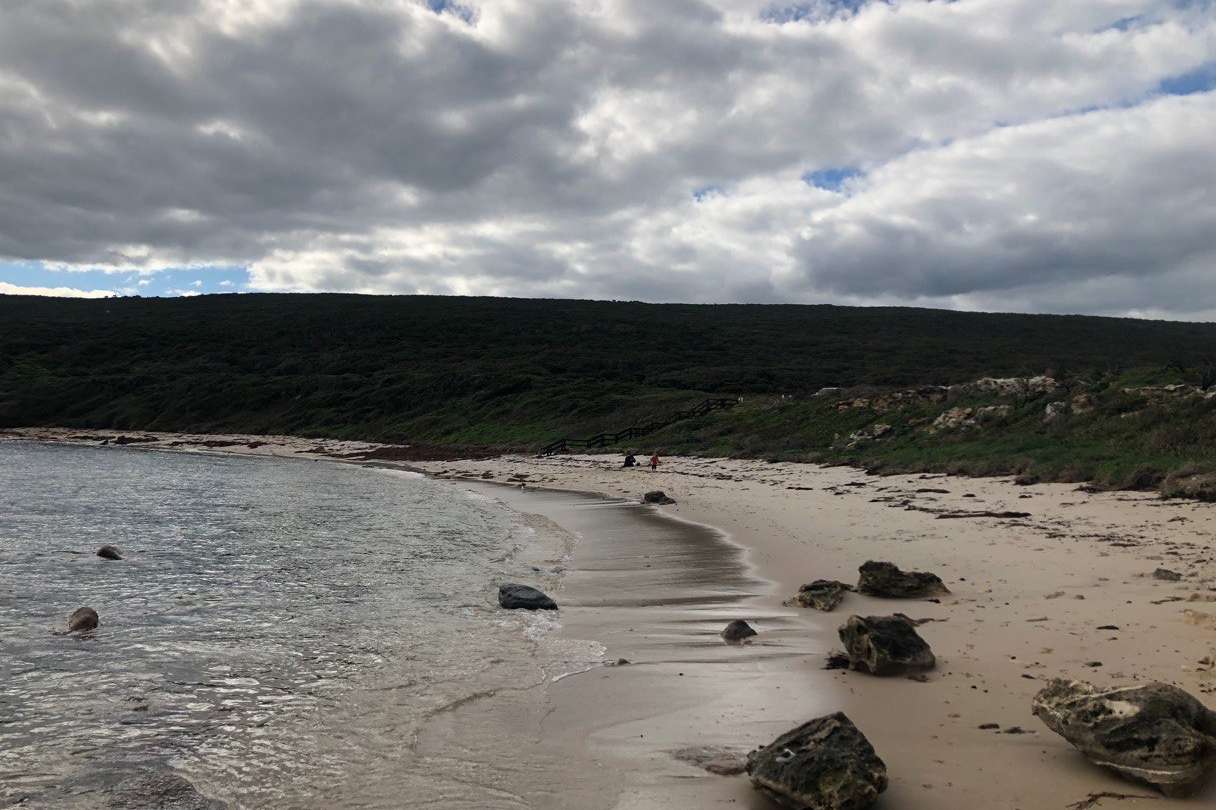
[(654, 461)]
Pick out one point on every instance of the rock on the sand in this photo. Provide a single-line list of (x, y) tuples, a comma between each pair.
[(82, 620), (109, 553), (512, 597), (658, 496), (737, 631), (1166, 575), (885, 645), (885, 579), (826, 764), (822, 594), (1152, 733)]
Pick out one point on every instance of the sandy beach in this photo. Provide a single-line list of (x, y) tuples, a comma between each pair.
[(1029, 597), (1066, 591)]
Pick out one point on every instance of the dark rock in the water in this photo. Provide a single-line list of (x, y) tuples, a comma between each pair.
[(885, 645), (487, 475), (836, 660), (160, 790), (109, 553), (82, 620), (822, 594), (885, 579), (737, 631), (659, 497), (826, 764), (1166, 575), (512, 597), (1154, 733)]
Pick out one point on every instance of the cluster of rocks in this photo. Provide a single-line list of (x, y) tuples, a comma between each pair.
[(1078, 405), (1152, 733), (881, 579), (84, 620), (869, 433), (1006, 387), (967, 418)]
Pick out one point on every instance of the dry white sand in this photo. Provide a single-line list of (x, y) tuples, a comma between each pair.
[(1029, 597)]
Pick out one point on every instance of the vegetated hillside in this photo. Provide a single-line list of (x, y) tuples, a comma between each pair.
[(1106, 429), (516, 373)]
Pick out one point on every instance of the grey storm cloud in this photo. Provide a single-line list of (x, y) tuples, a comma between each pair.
[(999, 153)]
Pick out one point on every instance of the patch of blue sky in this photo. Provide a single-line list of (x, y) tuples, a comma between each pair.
[(464, 12), (706, 192), (1200, 80), (781, 13), (183, 281), (833, 179), (1126, 23)]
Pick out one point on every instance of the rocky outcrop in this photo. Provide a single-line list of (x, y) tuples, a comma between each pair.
[(82, 620), (869, 434), (525, 597), (892, 400), (886, 580), (1008, 386), (825, 764), (109, 553), (1054, 410), (885, 645), (737, 631), (658, 497), (1153, 733), (822, 594), (966, 418)]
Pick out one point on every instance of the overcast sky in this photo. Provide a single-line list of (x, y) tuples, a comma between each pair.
[(980, 154)]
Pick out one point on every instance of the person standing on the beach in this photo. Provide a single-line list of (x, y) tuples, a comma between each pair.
[(654, 461)]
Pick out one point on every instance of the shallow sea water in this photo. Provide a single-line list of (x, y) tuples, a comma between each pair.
[(279, 632)]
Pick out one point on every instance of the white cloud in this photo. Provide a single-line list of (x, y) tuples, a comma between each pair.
[(554, 147), (58, 292)]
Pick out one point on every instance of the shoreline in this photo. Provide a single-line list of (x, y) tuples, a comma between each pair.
[(1029, 599)]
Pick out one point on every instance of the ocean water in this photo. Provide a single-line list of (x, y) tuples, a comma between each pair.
[(280, 632)]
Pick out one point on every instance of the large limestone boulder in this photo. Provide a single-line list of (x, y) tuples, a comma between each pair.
[(514, 597), (885, 645), (825, 764), (885, 579), (822, 594), (1152, 733)]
